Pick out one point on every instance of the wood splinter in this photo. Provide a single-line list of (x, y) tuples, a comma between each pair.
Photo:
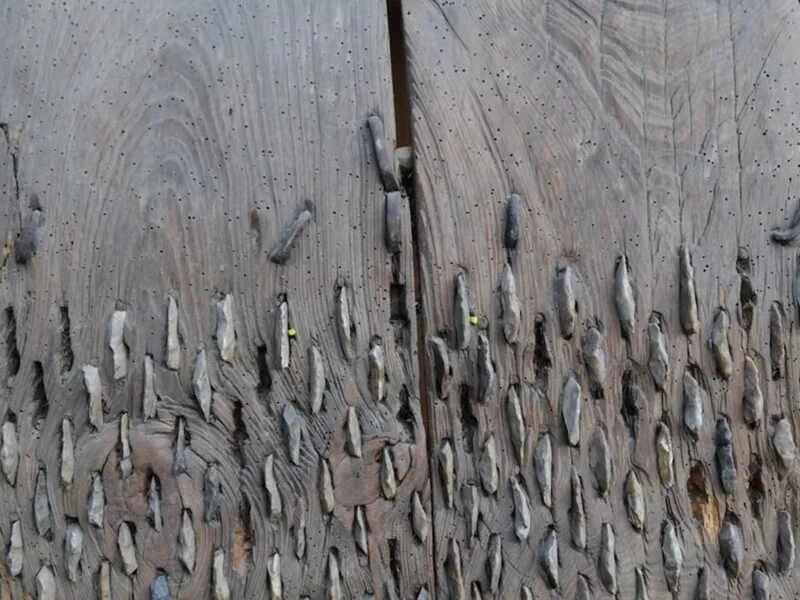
[(116, 342), (282, 250)]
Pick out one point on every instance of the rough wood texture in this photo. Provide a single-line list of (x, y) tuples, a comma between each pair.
[(627, 129), (170, 145)]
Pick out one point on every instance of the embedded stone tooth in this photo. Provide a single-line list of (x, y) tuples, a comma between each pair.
[(511, 232), (125, 463), (510, 305), (600, 460), (212, 494), (335, 590), (16, 554), (718, 343), (516, 424), (377, 372), (469, 498), (786, 548), (360, 530), (487, 467), (522, 511), (476, 591), (281, 333), (565, 301), (226, 337), (41, 505), (274, 573), (221, 589), (692, 405), (186, 542), (73, 547), (154, 504), (761, 588), (461, 312), (752, 399), (607, 564), (388, 478), (45, 584), (702, 591), (105, 580), (543, 465), (724, 456), (672, 555), (9, 453), (353, 433), (487, 378), (291, 422), (571, 409), (91, 379), (274, 504), (527, 594), (97, 501), (687, 297), (173, 341), (159, 589), (127, 550), (548, 557), (447, 471), (624, 298), (316, 379), (659, 358), (300, 529), (577, 514), (593, 353), (664, 456), (494, 564), (326, 488), (582, 591), (201, 385), (344, 325), (455, 579), (730, 547), (783, 442), (776, 339), (419, 518), (179, 457), (116, 342), (67, 453), (641, 585), (442, 367), (634, 501), (149, 398)]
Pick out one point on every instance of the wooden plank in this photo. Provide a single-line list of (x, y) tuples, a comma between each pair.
[(627, 129), (171, 145)]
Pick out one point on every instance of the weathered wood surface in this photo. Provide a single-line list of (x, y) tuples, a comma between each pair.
[(171, 144), (627, 129)]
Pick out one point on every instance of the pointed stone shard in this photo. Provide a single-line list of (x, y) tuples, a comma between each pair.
[(593, 354), (730, 547), (702, 591), (522, 510), (221, 589), (299, 526), (16, 556), (571, 409), (494, 563), (326, 488), (752, 399), (718, 343), (516, 424), (471, 503), (777, 352), (687, 298), (641, 585), (153, 512), (487, 378), (564, 295), (672, 555), (334, 579), (9, 452), (119, 351), (316, 378), (274, 498), (97, 501), (91, 379), (761, 588), (226, 336), (634, 501), (693, 396), (212, 494), (105, 580), (447, 471), (419, 518), (159, 589), (360, 530), (461, 312), (201, 385), (600, 460), (510, 306), (274, 573), (624, 298), (173, 341), (127, 550), (543, 465), (186, 542), (582, 591), (659, 358), (487, 467), (724, 455), (388, 478), (548, 557), (291, 423), (353, 432), (511, 233), (125, 462), (786, 548), (179, 457), (67, 453), (607, 564), (149, 397), (442, 369), (344, 325), (577, 515), (41, 505), (283, 352), (783, 442), (527, 594), (664, 455), (45, 584), (455, 579), (73, 548), (376, 371)]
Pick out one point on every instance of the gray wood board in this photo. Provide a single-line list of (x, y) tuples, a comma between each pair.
[(171, 144), (626, 129)]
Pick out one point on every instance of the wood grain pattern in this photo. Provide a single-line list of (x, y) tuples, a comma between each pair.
[(627, 129), (171, 144)]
